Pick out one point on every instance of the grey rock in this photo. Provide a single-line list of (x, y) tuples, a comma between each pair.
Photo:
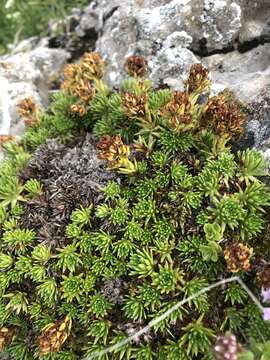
[(247, 74), (26, 74), (119, 40), (221, 23), (170, 64), (256, 22), (177, 39), (90, 20), (149, 28), (174, 34), (77, 33), (259, 113)]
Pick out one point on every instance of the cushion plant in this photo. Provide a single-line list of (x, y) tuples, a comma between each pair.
[(93, 249)]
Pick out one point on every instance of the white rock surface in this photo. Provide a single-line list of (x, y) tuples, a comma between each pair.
[(247, 74), (173, 34), (26, 74)]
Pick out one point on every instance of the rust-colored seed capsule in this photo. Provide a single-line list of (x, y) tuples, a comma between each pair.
[(6, 138), (112, 149), (134, 105), (224, 117), (54, 336), (238, 256), (93, 64), (198, 78), (136, 66), (26, 107), (84, 91), (77, 109), (28, 110), (178, 110), (70, 70), (78, 77)]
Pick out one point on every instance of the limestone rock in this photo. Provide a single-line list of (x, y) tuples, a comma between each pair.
[(172, 64), (149, 28), (26, 74), (256, 24), (247, 74)]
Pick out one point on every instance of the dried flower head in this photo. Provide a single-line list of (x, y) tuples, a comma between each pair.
[(78, 109), (70, 70), (6, 336), (28, 110), (79, 76), (84, 90), (92, 65), (72, 77), (238, 256), (226, 347), (136, 66), (197, 79), (112, 149), (26, 107), (116, 153), (54, 336), (134, 105), (178, 111), (6, 138), (223, 117)]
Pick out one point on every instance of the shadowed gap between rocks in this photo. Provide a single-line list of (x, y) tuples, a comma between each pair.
[(241, 47)]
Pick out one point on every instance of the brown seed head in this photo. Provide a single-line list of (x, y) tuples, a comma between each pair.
[(6, 138), (136, 66), (134, 105), (78, 109), (178, 110), (54, 336), (78, 76), (70, 70), (84, 90), (197, 79), (73, 76), (238, 256), (26, 107), (92, 65), (113, 149), (223, 117)]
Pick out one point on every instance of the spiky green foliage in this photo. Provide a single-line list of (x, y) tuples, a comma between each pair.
[(153, 236)]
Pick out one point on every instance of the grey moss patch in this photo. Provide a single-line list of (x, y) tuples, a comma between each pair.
[(71, 175)]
